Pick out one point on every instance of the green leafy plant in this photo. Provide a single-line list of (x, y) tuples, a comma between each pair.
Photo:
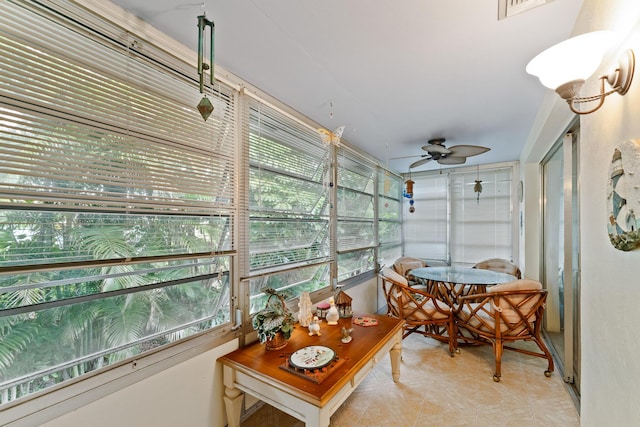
[(274, 317)]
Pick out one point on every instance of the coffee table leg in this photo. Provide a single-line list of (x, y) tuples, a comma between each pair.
[(232, 398), (321, 419), (396, 355)]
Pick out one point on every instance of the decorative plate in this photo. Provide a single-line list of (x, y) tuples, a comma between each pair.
[(312, 357), (623, 196)]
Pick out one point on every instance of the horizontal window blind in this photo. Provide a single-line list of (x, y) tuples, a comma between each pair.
[(356, 233), (452, 224), (289, 176), (426, 230), (389, 217), (117, 201), (481, 225), (97, 127)]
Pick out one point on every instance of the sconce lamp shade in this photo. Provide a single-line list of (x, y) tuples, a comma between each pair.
[(566, 66), (575, 59)]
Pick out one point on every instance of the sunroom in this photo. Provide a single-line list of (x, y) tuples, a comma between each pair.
[(138, 238)]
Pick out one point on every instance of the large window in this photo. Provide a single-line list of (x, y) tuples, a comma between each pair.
[(389, 217), (116, 200), (481, 223), (426, 231), (356, 232), (289, 188), (455, 225)]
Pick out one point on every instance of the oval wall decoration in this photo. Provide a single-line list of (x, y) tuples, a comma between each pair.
[(623, 196)]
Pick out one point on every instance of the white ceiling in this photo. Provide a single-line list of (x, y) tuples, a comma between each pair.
[(395, 73)]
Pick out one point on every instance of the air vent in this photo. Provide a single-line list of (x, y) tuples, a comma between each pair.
[(507, 8)]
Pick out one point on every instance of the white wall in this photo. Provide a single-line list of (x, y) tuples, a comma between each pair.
[(609, 277), (365, 297), (188, 394)]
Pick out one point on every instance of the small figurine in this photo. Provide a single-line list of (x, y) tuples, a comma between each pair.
[(314, 327), (332, 314), (346, 335), (304, 314)]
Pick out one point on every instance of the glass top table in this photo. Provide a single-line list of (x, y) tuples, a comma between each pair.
[(449, 283), (462, 275)]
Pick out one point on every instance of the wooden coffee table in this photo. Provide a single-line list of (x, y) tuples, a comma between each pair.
[(303, 395)]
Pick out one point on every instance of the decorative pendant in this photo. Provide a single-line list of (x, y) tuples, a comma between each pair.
[(205, 107)]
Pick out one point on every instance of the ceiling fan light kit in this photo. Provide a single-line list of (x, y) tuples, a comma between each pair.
[(566, 66)]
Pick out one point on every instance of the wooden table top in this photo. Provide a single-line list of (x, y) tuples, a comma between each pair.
[(258, 362)]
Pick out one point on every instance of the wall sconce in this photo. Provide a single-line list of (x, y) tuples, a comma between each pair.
[(566, 66)]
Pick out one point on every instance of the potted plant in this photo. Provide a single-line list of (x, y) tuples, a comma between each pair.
[(274, 322)]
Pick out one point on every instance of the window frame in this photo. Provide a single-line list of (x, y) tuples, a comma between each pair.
[(362, 183), (441, 213), (181, 348)]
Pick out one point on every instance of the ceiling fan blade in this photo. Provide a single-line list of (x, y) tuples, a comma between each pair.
[(436, 148), (467, 150), (452, 160), (407, 157), (419, 163)]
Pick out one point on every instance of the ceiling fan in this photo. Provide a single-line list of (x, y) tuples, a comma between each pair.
[(455, 155)]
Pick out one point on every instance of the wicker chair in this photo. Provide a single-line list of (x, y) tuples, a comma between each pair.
[(500, 265), (405, 264), (418, 309), (505, 313)]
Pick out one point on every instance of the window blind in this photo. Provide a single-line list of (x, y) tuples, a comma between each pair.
[(289, 182), (426, 231), (450, 224), (356, 228), (389, 217), (117, 200), (481, 226)]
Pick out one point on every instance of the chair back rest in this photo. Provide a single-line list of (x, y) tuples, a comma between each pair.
[(392, 293), (518, 301), (404, 264), (500, 265), (415, 305)]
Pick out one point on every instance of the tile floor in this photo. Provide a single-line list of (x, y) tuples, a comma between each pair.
[(438, 390)]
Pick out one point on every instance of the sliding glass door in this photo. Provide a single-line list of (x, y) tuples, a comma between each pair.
[(561, 256)]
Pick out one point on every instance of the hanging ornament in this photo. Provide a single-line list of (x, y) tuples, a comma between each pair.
[(408, 189), (205, 107), (387, 180), (408, 192), (331, 137), (478, 186)]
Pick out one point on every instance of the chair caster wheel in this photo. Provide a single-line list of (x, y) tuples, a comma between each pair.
[(452, 353), (496, 378), (457, 351), (547, 374)]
